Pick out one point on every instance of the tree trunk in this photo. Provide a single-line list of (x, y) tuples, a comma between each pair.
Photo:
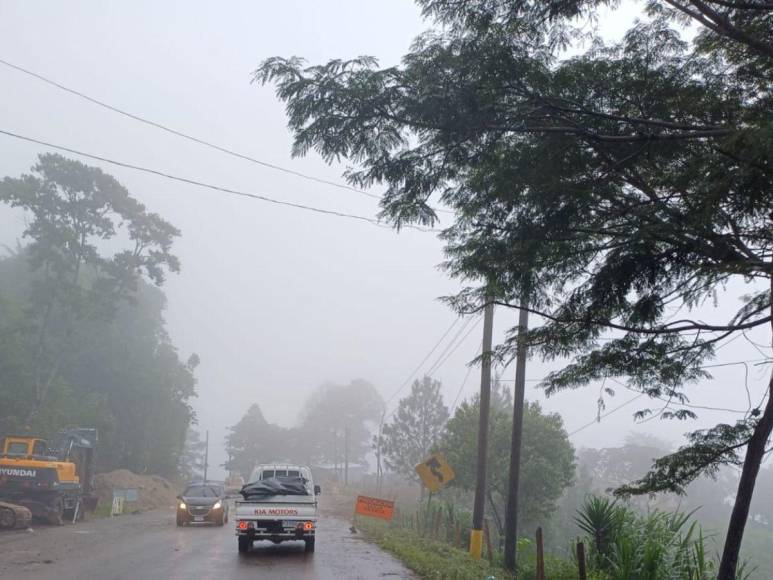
[(755, 452)]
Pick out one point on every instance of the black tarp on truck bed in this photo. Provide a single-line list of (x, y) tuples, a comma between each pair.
[(275, 486)]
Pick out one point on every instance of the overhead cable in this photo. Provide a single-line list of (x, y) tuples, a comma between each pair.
[(197, 183), (424, 360), (188, 136)]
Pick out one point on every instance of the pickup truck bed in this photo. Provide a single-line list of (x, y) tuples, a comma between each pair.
[(277, 518)]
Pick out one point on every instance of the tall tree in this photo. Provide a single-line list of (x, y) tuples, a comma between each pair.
[(610, 185), (252, 441), (337, 422), (76, 210), (193, 456), (547, 455), (119, 373), (415, 428)]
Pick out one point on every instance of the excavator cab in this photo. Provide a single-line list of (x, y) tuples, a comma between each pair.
[(15, 446)]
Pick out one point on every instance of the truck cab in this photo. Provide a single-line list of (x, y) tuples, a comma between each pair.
[(279, 504)]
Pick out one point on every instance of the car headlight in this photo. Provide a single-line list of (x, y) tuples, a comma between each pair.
[(182, 505), (217, 505)]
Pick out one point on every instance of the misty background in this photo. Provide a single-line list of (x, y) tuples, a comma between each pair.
[(275, 300)]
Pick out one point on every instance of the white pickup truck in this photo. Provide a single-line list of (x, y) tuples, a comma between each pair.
[(280, 504)]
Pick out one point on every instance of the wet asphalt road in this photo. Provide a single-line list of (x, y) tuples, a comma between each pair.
[(151, 546)]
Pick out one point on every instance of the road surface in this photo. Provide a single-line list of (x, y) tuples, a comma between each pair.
[(150, 546)]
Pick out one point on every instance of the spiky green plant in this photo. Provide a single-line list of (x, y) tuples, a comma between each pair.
[(625, 545), (601, 519)]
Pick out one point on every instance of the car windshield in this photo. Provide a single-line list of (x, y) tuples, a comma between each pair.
[(201, 491)]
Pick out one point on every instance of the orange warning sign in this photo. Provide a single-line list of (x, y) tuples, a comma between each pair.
[(374, 507)]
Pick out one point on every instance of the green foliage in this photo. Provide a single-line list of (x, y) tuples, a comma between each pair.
[(335, 413), (609, 185), (329, 414), (547, 457), (707, 451), (415, 428), (193, 456), (82, 336), (428, 558), (601, 520), (625, 545), (254, 440), (75, 212), (433, 555)]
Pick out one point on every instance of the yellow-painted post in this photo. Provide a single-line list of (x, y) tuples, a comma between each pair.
[(476, 544)]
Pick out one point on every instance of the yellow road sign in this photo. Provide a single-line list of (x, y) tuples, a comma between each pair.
[(435, 472)]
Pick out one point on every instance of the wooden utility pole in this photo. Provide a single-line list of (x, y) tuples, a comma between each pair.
[(379, 442), (346, 455), (540, 556), (206, 456), (476, 533), (511, 510)]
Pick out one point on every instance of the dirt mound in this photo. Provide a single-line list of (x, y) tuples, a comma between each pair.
[(152, 491)]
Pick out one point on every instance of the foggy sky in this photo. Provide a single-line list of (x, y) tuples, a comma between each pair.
[(275, 301)]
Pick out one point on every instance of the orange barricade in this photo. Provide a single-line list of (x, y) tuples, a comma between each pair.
[(374, 507)]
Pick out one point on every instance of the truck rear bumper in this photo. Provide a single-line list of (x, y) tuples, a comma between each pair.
[(260, 535), (274, 531)]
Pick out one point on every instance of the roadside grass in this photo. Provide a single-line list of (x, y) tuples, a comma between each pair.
[(432, 559), (428, 558)]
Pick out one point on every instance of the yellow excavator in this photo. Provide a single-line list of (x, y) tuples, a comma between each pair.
[(53, 483)]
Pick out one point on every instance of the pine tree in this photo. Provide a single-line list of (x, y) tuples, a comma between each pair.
[(415, 428)]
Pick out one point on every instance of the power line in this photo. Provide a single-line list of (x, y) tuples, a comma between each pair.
[(461, 387), (446, 354), (453, 345), (425, 359), (628, 402), (681, 404), (189, 137), (180, 133), (672, 402), (189, 181), (740, 362)]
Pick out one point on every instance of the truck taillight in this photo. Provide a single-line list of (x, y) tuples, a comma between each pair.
[(245, 525), (307, 526), (242, 525)]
